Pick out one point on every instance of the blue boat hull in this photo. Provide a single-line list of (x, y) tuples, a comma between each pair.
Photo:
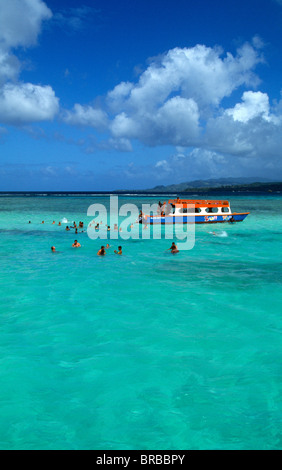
[(198, 219)]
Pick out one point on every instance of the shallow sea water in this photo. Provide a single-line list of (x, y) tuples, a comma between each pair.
[(144, 351)]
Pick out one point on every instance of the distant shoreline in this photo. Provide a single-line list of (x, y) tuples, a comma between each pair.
[(239, 189)]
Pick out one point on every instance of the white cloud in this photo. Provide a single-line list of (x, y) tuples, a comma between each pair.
[(174, 123), (21, 104), (122, 145), (9, 67), (123, 125), (20, 25), (118, 95), (86, 116), (20, 21), (176, 93), (200, 73), (163, 166), (253, 104), (192, 165), (253, 133)]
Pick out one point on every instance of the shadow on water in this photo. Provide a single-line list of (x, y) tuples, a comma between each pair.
[(220, 273)]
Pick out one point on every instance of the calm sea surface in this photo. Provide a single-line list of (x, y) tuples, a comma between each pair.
[(146, 350)]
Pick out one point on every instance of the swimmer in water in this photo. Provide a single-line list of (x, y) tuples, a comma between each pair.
[(173, 248), (59, 224), (53, 223), (102, 251), (76, 244), (119, 252), (107, 246), (53, 249), (67, 228)]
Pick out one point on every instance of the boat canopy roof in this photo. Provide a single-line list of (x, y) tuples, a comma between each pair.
[(197, 203)]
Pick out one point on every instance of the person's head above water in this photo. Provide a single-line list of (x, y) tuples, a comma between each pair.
[(53, 248)]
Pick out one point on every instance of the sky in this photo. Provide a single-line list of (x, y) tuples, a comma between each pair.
[(101, 95)]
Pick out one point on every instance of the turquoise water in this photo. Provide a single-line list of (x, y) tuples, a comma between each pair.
[(144, 351)]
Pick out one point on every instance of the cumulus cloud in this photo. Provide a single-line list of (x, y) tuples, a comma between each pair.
[(86, 116), (20, 21), (9, 67), (178, 101), (253, 105), (20, 25), (174, 123), (192, 165), (21, 104), (177, 92), (248, 131), (200, 73)]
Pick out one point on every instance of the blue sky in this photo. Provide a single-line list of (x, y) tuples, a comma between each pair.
[(105, 95)]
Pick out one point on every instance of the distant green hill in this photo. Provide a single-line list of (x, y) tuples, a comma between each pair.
[(221, 185), (241, 188)]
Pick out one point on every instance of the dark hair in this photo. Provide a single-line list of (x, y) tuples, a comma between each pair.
[(119, 247)]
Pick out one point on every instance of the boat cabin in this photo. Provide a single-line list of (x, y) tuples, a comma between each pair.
[(191, 206)]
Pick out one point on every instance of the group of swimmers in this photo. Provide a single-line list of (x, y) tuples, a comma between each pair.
[(81, 226), (101, 252)]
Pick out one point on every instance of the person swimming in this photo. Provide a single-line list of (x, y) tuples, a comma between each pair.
[(102, 251), (173, 248), (53, 249), (76, 244), (119, 252), (67, 228)]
